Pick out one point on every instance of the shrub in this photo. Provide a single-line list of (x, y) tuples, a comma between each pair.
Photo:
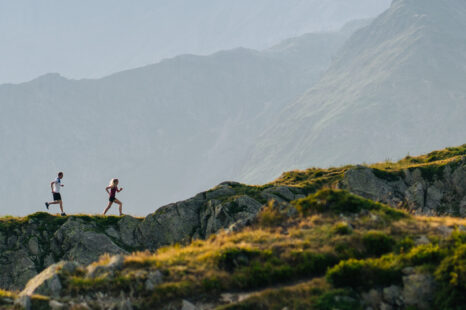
[(342, 299), (261, 274), (377, 243), (342, 228), (345, 251), (271, 215), (231, 258), (451, 276), (311, 263), (335, 201), (425, 254), (365, 273), (404, 245)]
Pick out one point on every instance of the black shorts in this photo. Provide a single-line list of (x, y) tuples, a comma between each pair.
[(56, 196), (111, 199)]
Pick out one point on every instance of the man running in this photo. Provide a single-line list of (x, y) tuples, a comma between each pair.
[(55, 185)]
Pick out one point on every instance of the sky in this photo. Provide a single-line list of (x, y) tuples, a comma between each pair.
[(91, 39)]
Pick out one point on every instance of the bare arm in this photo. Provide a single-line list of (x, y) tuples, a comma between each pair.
[(51, 185), (119, 190), (107, 188)]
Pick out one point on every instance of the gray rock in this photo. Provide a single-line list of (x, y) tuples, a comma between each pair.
[(385, 306), (45, 283), (23, 301), (170, 224), (393, 296), (33, 246), (81, 242), (116, 263), (373, 298), (112, 233), (16, 269), (279, 193), (56, 305), (125, 305), (418, 290), (154, 279), (69, 267), (129, 228), (422, 240), (217, 215), (434, 195), (220, 191), (186, 305)]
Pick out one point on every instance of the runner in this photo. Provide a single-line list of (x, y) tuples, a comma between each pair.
[(112, 189), (56, 185)]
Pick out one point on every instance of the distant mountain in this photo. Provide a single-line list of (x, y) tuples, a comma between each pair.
[(397, 86), (166, 130), (92, 39)]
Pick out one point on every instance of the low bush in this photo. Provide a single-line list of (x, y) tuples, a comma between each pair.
[(342, 299), (366, 273), (425, 254), (335, 201), (342, 228), (377, 243), (451, 276), (271, 215), (404, 245), (260, 274), (231, 258), (309, 263)]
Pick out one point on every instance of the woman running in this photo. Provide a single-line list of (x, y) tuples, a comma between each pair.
[(112, 189)]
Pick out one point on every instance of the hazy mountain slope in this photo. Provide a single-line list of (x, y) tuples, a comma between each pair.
[(166, 130), (397, 86), (89, 39)]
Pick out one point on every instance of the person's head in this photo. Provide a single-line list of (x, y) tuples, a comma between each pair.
[(113, 182), (60, 175)]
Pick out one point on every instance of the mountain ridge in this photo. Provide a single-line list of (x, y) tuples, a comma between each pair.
[(389, 86)]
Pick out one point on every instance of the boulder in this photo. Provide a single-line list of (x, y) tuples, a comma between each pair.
[(77, 240), (154, 278), (418, 290), (279, 193), (116, 263), (129, 231), (221, 215), (186, 305), (173, 223), (45, 283)]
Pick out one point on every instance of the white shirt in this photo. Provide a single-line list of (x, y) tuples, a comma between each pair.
[(56, 185)]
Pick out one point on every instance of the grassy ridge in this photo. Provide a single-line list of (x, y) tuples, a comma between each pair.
[(361, 246)]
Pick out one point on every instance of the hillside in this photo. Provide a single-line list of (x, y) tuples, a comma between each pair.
[(170, 129), (285, 236), (396, 87)]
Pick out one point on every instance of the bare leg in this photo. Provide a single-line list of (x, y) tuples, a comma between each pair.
[(61, 206), (120, 206), (108, 207), (54, 202)]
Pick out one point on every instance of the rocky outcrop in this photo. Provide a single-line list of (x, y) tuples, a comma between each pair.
[(29, 247), (426, 190), (416, 292)]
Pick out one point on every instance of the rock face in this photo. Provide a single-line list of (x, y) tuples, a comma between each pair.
[(427, 191), (30, 247)]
